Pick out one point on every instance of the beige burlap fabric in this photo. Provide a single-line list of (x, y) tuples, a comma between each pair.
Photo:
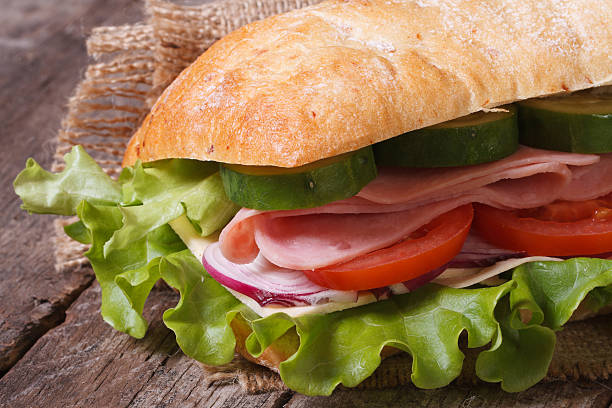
[(133, 64)]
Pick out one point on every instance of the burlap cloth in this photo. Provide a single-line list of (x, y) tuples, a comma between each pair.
[(134, 63)]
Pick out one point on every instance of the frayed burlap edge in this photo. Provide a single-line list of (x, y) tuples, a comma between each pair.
[(109, 103), (133, 64), (106, 108)]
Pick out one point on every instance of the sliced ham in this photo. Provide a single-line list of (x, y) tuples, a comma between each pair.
[(589, 182), (397, 185), (399, 201), (316, 240)]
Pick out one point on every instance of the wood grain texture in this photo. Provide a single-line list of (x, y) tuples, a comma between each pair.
[(82, 361), (482, 395), (42, 49)]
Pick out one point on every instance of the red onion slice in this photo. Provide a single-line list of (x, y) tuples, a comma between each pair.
[(269, 284), (425, 278), (473, 260), (605, 255), (404, 287), (477, 253)]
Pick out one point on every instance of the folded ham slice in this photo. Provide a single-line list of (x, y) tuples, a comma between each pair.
[(397, 185), (589, 182), (399, 201)]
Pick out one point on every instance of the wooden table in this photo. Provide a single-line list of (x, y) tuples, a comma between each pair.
[(55, 350)]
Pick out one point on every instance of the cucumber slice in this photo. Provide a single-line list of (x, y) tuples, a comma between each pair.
[(580, 123), (477, 138), (311, 185)]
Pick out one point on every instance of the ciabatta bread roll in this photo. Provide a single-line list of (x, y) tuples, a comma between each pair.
[(334, 77)]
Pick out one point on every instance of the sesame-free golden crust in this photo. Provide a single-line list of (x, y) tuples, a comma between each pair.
[(340, 75)]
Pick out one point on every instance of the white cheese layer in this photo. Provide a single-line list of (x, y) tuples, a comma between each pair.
[(196, 243), (464, 277), (296, 311), (453, 277)]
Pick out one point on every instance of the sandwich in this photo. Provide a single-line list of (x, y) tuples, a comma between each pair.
[(336, 184)]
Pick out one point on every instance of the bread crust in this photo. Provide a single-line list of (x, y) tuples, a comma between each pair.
[(340, 75)]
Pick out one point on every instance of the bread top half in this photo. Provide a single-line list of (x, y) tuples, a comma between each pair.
[(332, 78)]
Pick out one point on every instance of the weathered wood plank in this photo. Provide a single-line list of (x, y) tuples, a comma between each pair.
[(558, 394), (43, 55), (84, 362)]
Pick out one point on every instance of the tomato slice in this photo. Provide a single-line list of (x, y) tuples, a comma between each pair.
[(429, 248), (562, 228)]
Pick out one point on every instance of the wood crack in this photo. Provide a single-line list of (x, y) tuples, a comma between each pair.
[(144, 383), (283, 399), (44, 316), (197, 384), (102, 371)]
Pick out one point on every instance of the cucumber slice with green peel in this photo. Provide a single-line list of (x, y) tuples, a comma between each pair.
[(476, 138), (579, 123), (311, 185)]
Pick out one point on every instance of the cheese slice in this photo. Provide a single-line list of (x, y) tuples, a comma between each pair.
[(464, 277), (297, 311), (194, 241)]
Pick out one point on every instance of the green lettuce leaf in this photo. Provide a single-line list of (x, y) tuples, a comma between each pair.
[(550, 292), (126, 275), (201, 319), (154, 195), (126, 221), (79, 232), (598, 298), (553, 290), (265, 331), (344, 347), (47, 193), (521, 358)]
